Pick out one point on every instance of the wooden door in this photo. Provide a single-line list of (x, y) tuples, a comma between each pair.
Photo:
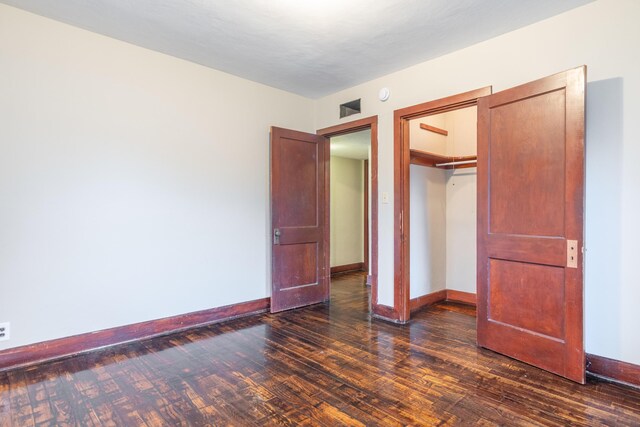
[(530, 223), (299, 200)]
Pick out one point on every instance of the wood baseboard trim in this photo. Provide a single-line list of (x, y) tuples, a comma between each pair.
[(416, 304), (613, 370), (461, 297), (358, 266), (419, 303), (46, 351)]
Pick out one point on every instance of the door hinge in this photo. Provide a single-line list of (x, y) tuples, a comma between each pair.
[(572, 253), (276, 236)]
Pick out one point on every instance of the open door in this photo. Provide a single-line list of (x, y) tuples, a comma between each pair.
[(299, 196), (530, 223)]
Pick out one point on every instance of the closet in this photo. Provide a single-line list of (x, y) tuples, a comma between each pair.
[(443, 202)]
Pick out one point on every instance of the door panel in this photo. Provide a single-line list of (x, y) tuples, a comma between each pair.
[(515, 284), (298, 264), (298, 215), (298, 174), (530, 203)]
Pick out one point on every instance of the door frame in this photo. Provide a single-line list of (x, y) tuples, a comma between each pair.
[(365, 263), (341, 129), (401, 311)]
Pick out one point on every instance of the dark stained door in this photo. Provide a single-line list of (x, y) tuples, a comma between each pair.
[(299, 200), (530, 223)]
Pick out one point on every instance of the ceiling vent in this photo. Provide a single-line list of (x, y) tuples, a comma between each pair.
[(350, 108)]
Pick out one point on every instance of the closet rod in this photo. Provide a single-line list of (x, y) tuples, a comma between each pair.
[(461, 162)]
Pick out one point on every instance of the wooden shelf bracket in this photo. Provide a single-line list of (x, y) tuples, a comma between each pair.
[(433, 129)]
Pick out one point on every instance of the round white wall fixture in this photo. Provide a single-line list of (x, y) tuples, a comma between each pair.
[(384, 94)]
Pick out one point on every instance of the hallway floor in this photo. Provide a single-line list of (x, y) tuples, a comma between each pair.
[(321, 365)]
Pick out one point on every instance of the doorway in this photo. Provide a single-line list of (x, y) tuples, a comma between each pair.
[(443, 178), (401, 311), (353, 142), (349, 202), (300, 223)]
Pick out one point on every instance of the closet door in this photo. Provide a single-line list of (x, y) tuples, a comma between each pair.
[(530, 223)]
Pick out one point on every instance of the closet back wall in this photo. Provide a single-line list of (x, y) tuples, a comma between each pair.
[(461, 203), (428, 230)]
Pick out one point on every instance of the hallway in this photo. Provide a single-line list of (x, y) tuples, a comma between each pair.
[(322, 365)]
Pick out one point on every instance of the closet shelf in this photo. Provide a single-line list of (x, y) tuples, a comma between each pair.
[(425, 158)]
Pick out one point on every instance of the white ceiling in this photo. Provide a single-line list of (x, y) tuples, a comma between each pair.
[(353, 145), (310, 47)]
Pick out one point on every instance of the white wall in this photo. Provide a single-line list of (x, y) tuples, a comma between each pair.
[(460, 125), (133, 185), (347, 211), (428, 238), (461, 202), (604, 35), (428, 141), (461, 229)]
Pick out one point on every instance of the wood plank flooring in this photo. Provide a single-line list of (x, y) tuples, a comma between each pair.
[(322, 365)]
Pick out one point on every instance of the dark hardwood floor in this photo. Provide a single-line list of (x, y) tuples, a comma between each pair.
[(322, 365)]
